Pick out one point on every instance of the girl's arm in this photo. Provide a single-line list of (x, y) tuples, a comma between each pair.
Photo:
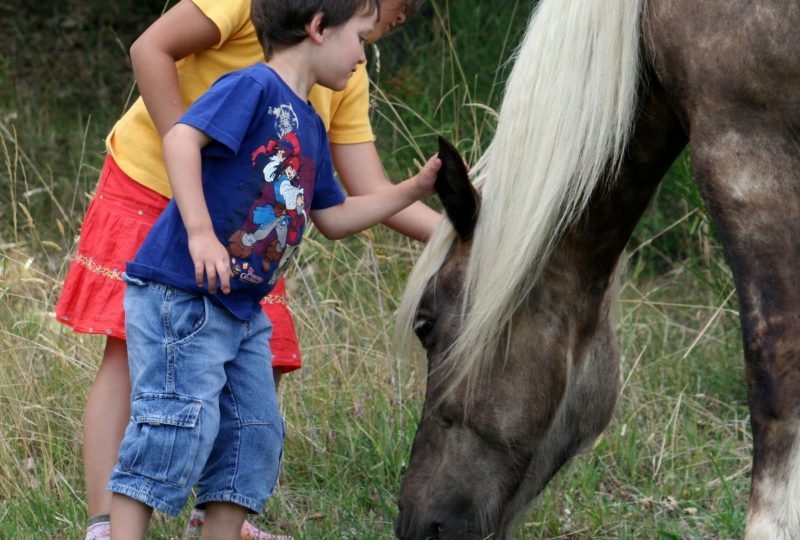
[(361, 212), (179, 32), (182, 145), (360, 170)]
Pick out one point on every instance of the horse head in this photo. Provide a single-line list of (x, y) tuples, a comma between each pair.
[(485, 447)]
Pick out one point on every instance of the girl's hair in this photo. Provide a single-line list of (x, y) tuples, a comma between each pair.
[(282, 23)]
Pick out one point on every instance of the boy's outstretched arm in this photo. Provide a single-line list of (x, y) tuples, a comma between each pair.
[(361, 212), (361, 172), (182, 145)]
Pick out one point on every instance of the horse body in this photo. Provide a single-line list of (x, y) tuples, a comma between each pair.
[(723, 76)]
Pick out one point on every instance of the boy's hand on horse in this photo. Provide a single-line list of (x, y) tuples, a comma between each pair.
[(426, 177)]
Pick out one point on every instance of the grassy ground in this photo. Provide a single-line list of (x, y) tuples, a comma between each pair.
[(673, 464)]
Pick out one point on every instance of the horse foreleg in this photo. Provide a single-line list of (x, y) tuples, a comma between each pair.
[(750, 178)]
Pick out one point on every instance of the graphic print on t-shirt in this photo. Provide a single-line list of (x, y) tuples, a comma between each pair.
[(276, 220)]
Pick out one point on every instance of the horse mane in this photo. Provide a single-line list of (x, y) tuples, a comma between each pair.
[(563, 126)]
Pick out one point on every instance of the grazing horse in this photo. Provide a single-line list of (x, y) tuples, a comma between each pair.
[(511, 298)]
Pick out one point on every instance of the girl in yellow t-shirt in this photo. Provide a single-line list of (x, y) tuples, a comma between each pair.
[(175, 60)]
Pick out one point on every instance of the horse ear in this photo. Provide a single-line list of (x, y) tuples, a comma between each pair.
[(460, 199)]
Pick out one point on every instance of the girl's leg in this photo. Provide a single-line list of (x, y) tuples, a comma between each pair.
[(104, 422)]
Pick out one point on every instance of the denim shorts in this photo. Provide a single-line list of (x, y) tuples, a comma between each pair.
[(203, 407)]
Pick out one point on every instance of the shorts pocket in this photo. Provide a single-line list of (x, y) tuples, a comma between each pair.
[(163, 438), (188, 315)]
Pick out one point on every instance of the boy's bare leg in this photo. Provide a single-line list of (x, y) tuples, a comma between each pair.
[(108, 409), (129, 518), (223, 521)]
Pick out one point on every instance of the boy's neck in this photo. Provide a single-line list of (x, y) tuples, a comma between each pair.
[(292, 64)]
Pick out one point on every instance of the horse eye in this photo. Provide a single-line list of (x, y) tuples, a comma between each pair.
[(423, 327)]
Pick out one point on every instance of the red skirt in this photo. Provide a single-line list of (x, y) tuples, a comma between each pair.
[(116, 223)]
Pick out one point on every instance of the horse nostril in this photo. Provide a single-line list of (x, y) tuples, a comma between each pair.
[(434, 530)]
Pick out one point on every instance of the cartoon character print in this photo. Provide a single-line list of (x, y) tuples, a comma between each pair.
[(269, 157), (285, 119), (275, 222), (289, 232), (243, 271)]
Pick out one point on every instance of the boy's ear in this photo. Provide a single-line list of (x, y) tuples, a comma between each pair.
[(314, 27)]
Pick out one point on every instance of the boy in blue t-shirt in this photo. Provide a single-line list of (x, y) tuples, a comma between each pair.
[(249, 165)]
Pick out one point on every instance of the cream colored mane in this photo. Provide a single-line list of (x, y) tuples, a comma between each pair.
[(564, 121)]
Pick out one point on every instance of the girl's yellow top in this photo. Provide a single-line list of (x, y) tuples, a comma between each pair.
[(135, 143)]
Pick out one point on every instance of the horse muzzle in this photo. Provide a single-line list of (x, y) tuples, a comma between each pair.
[(410, 525)]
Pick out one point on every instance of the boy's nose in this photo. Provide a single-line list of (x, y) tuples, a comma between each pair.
[(401, 17)]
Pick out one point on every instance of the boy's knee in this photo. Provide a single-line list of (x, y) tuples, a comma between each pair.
[(261, 442), (259, 462)]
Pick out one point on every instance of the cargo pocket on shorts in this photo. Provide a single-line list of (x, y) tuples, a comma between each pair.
[(167, 438)]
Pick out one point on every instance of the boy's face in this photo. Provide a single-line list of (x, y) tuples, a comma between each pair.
[(393, 14), (342, 49)]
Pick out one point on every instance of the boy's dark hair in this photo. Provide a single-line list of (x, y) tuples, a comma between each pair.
[(281, 23)]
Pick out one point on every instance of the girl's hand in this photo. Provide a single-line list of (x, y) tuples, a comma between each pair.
[(211, 260)]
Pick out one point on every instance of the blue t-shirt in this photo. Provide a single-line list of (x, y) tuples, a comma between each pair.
[(268, 163)]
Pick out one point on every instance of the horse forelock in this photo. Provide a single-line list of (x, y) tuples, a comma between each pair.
[(563, 125), (426, 267)]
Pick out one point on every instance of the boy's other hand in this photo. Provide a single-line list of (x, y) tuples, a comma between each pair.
[(211, 260)]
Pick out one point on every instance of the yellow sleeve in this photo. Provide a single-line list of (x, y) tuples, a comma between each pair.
[(349, 118), (229, 16)]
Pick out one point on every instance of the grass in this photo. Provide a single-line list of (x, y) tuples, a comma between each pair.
[(674, 463)]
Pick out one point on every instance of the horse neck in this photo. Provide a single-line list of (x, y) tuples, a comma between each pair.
[(588, 254)]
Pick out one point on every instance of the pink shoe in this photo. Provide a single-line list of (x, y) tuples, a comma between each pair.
[(194, 528), (251, 532), (99, 531)]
